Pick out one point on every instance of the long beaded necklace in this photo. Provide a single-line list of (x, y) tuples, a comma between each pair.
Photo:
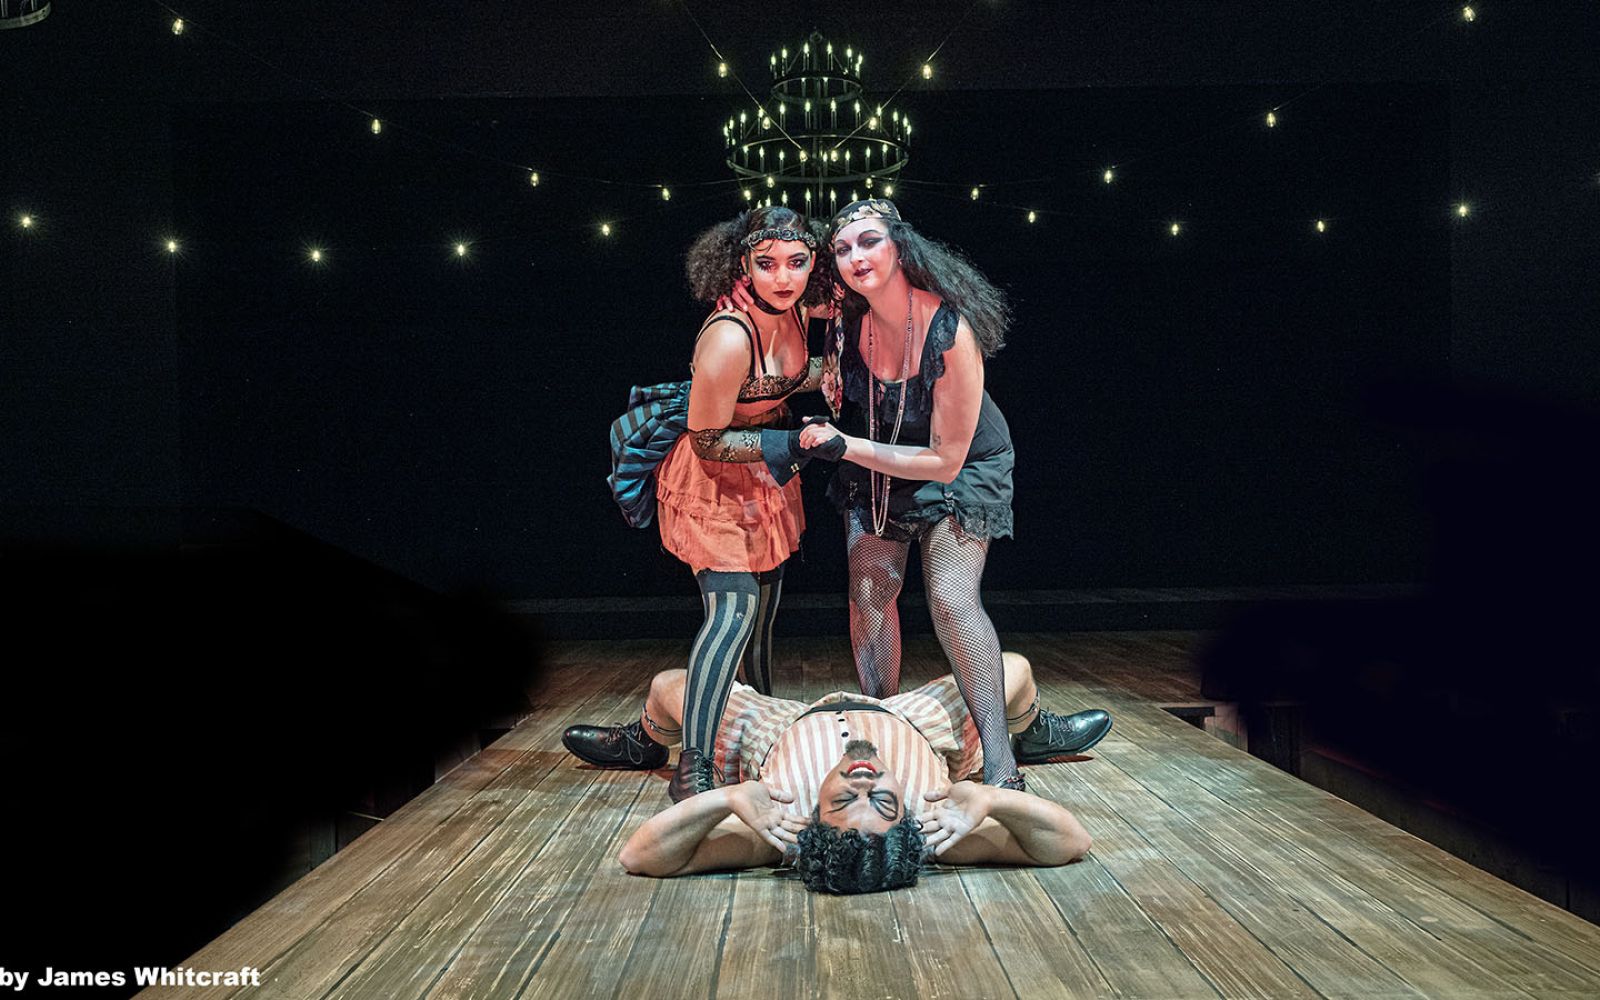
[(878, 482)]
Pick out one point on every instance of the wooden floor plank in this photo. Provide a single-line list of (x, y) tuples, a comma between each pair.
[(770, 939), (1210, 938), (950, 955), (1212, 874), (1024, 930)]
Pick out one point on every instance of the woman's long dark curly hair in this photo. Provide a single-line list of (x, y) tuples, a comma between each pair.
[(713, 261), (947, 273)]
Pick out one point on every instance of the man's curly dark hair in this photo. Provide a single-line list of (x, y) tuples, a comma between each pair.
[(845, 862), (713, 261)]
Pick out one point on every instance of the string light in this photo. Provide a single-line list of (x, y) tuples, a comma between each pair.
[(1322, 226), (746, 194), (533, 178), (974, 194), (27, 221), (1463, 210), (461, 249), (1176, 229), (1272, 119), (377, 126), (771, 182), (888, 190), (316, 256), (1109, 175), (666, 193), (1032, 217), (927, 71), (1468, 14), (177, 26), (172, 246), (872, 122), (722, 69), (804, 156), (605, 229)]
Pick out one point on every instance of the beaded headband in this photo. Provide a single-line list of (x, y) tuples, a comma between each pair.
[(871, 208), (786, 233)]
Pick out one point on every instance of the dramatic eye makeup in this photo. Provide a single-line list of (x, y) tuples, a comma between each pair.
[(884, 802)]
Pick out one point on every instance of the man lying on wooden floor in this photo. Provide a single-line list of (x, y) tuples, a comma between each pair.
[(855, 791)]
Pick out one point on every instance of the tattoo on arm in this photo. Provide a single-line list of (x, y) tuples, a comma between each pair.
[(727, 444)]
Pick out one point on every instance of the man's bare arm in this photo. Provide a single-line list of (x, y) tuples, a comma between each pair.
[(999, 826), (702, 833)]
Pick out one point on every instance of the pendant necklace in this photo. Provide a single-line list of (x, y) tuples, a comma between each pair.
[(878, 482)]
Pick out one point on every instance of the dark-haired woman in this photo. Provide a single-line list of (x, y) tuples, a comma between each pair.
[(928, 459), (728, 503)]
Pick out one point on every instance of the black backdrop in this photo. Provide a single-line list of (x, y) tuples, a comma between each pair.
[(1187, 411)]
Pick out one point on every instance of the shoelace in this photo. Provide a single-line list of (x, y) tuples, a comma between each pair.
[(633, 739)]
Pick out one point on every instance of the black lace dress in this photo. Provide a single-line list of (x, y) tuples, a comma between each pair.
[(980, 496)]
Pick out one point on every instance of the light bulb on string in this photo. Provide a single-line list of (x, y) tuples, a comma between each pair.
[(666, 193), (1468, 14), (172, 246), (888, 190), (746, 194), (533, 178), (461, 249), (1272, 119), (785, 197), (722, 69), (26, 221), (605, 229), (377, 126), (1032, 217), (177, 26), (808, 198), (804, 156), (1109, 175), (1463, 210), (315, 255), (974, 194), (927, 71), (1176, 229), (1322, 226), (771, 182)]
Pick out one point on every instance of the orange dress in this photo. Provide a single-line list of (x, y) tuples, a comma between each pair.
[(733, 517)]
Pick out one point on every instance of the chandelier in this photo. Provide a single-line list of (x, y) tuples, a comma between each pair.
[(21, 13), (817, 142)]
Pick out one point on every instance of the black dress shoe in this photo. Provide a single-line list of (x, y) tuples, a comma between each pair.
[(696, 773), (1053, 735), (623, 747)]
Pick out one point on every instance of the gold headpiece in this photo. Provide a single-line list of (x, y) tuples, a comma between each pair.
[(871, 208)]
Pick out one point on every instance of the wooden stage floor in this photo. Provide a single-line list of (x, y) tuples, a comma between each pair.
[(1212, 874)]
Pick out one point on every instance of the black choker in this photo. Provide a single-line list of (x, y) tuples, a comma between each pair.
[(766, 307)]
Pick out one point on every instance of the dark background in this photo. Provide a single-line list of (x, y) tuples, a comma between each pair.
[(1409, 398)]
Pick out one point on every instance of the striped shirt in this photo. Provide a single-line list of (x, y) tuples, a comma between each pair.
[(925, 736)]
